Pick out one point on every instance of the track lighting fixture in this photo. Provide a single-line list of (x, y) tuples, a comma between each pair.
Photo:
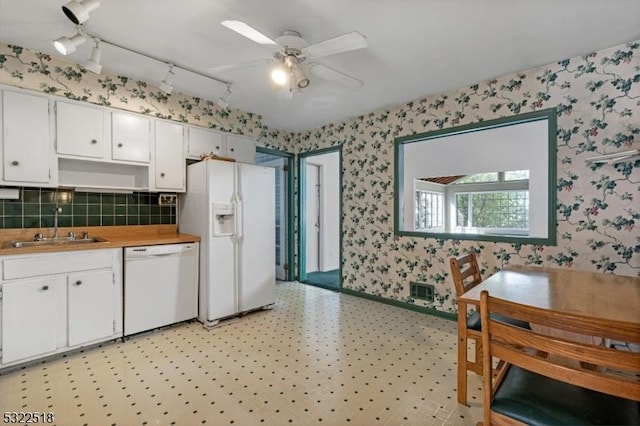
[(167, 84), (78, 11), (67, 45), (223, 101), (93, 64)]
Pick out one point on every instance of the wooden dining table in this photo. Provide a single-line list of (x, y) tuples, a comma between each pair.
[(615, 298)]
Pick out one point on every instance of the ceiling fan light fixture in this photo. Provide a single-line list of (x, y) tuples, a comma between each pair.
[(93, 64), (67, 45), (299, 79), (78, 11), (280, 76)]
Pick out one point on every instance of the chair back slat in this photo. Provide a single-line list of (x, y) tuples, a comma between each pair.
[(611, 371), (465, 272)]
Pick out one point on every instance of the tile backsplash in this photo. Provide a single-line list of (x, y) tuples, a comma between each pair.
[(35, 209)]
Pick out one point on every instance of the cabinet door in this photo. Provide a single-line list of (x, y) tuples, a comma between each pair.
[(79, 130), (91, 306), (29, 326), (26, 138), (203, 141), (130, 137), (241, 148), (169, 156)]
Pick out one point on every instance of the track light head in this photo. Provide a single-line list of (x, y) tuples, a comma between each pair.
[(93, 64), (166, 85), (67, 45), (223, 101), (78, 11)]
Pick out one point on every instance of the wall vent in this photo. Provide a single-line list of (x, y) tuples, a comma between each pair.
[(422, 291)]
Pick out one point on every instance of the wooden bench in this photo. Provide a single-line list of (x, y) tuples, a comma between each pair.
[(544, 382)]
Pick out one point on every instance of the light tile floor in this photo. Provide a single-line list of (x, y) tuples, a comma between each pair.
[(318, 357)]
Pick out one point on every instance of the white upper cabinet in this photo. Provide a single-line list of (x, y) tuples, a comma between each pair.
[(130, 137), (169, 166), (241, 148), (80, 130), (204, 141), (26, 139)]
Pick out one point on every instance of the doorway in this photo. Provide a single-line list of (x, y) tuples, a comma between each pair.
[(282, 163), (320, 196)]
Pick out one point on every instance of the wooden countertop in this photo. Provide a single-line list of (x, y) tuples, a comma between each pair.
[(110, 236)]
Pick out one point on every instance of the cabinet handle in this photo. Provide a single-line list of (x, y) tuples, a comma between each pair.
[(45, 287), (231, 149), (78, 282), (217, 147), (93, 141), (14, 163), (161, 174), (119, 145)]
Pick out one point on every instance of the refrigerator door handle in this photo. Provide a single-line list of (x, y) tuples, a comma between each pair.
[(239, 219)]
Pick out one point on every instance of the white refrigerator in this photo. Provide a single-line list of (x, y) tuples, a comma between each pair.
[(231, 206)]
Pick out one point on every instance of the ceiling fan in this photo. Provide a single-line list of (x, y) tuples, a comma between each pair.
[(295, 58)]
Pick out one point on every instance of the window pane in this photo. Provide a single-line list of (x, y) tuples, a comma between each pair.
[(462, 210), (480, 177), (505, 209), (429, 212), (516, 175)]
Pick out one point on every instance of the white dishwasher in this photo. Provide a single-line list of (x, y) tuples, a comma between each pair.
[(160, 286)]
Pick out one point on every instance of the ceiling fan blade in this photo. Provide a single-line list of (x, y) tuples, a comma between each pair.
[(330, 74), (249, 32), (344, 43), (227, 67)]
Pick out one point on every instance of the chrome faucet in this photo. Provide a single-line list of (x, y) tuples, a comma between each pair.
[(56, 211)]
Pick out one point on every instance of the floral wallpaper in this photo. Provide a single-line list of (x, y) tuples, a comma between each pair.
[(597, 96)]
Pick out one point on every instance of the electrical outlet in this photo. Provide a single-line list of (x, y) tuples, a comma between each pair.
[(167, 199)]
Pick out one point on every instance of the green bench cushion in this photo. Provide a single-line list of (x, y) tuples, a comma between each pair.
[(538, 400)]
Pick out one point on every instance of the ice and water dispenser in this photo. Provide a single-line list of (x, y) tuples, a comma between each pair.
[(223, 219)]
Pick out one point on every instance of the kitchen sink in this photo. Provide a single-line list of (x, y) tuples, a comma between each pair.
[(52, 242)]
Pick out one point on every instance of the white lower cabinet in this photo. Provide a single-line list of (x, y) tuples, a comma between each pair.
[(29, 322), (61, 302), (90, 314)]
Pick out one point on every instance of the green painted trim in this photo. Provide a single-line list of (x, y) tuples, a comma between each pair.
[(291, 272), (263, 150), (290, 206), (302, 180), (480, 125), (553, 188), (549, 114), (302, 223), (405, 305)]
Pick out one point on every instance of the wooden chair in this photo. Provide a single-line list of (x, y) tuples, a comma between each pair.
[(555, 389), (466, 275)]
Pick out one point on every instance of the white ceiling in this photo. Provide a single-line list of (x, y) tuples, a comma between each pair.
[(417, 47)]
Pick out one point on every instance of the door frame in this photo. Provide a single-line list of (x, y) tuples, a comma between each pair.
[(302, 273), (290, 274)]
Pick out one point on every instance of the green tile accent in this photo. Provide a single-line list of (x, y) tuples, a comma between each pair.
[(35, 209)]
